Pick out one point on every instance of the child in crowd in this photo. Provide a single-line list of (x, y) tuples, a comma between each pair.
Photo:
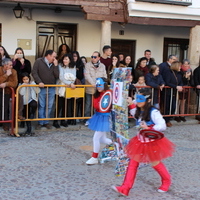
[(140, 83), (131, 87), (100, 120), (146, 148), (29, 95)]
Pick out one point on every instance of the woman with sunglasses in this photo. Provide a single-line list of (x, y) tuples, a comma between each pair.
[(146, 148), (100, 120)]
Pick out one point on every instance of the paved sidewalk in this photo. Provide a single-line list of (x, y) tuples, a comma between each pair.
[(51, 166)]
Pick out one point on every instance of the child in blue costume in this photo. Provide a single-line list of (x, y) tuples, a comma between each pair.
[(100, 120), (143, 149)]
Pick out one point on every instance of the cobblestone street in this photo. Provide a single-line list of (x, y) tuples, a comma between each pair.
[(51, 166)]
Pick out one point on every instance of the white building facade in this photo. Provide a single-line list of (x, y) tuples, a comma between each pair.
[(162, 28)]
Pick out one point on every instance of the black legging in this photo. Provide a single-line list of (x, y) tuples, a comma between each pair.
[(32, 106), (65, 106)]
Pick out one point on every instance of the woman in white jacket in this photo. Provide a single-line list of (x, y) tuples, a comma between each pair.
[(67, 77)]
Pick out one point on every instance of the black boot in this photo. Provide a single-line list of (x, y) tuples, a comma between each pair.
[(177, 119), (73, 122), (183, 119), (29, 131), (55, 124), (63, 123)]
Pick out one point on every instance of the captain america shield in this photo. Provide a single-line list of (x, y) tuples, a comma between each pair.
[(105, 101), (151, 134), (116, 93)]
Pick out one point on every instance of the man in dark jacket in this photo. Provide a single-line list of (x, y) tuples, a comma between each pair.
[(165, 66), (196, 76), (45, 71), (164, 69), (150, 60)]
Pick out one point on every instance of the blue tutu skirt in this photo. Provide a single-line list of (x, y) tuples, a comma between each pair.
[(100, 122)]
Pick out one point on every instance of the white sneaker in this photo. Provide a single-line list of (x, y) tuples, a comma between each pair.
[(161, 191), (86, 123), (92, 161)]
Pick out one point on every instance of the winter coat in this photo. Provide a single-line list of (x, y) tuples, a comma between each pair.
[(91, 73)]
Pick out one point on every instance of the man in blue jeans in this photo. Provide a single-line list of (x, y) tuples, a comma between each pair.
[(45, 71)]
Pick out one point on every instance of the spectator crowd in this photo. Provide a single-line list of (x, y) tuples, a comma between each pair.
[(69, 69)]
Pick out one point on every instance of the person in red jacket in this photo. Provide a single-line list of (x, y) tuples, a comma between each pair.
[(100, 120)]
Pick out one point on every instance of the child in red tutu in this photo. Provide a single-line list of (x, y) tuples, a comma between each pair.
[(144, 148), (100, 120)]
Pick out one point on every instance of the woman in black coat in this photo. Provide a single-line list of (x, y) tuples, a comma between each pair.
[(20, 63), (79, 66), (80, 79), (174, 80), (155, 80)]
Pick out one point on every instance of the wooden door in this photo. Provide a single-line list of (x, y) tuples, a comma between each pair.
[(52, 35), (127, 47)]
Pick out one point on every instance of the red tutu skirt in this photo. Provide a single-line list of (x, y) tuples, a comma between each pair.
[(147, 152)]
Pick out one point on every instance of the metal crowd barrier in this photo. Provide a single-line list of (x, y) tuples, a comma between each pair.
[(11, 109), (75, 94), (174, 103), (166, 98)]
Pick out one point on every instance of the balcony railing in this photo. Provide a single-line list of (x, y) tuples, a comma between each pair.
[(173, 2)]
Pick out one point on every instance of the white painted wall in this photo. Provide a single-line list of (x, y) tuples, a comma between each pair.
[(89, 32), (149, 37), (13, 29), (145, 9)]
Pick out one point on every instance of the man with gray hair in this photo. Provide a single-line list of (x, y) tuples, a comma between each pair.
[(8, 78), (93, 69), (165, 66)]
